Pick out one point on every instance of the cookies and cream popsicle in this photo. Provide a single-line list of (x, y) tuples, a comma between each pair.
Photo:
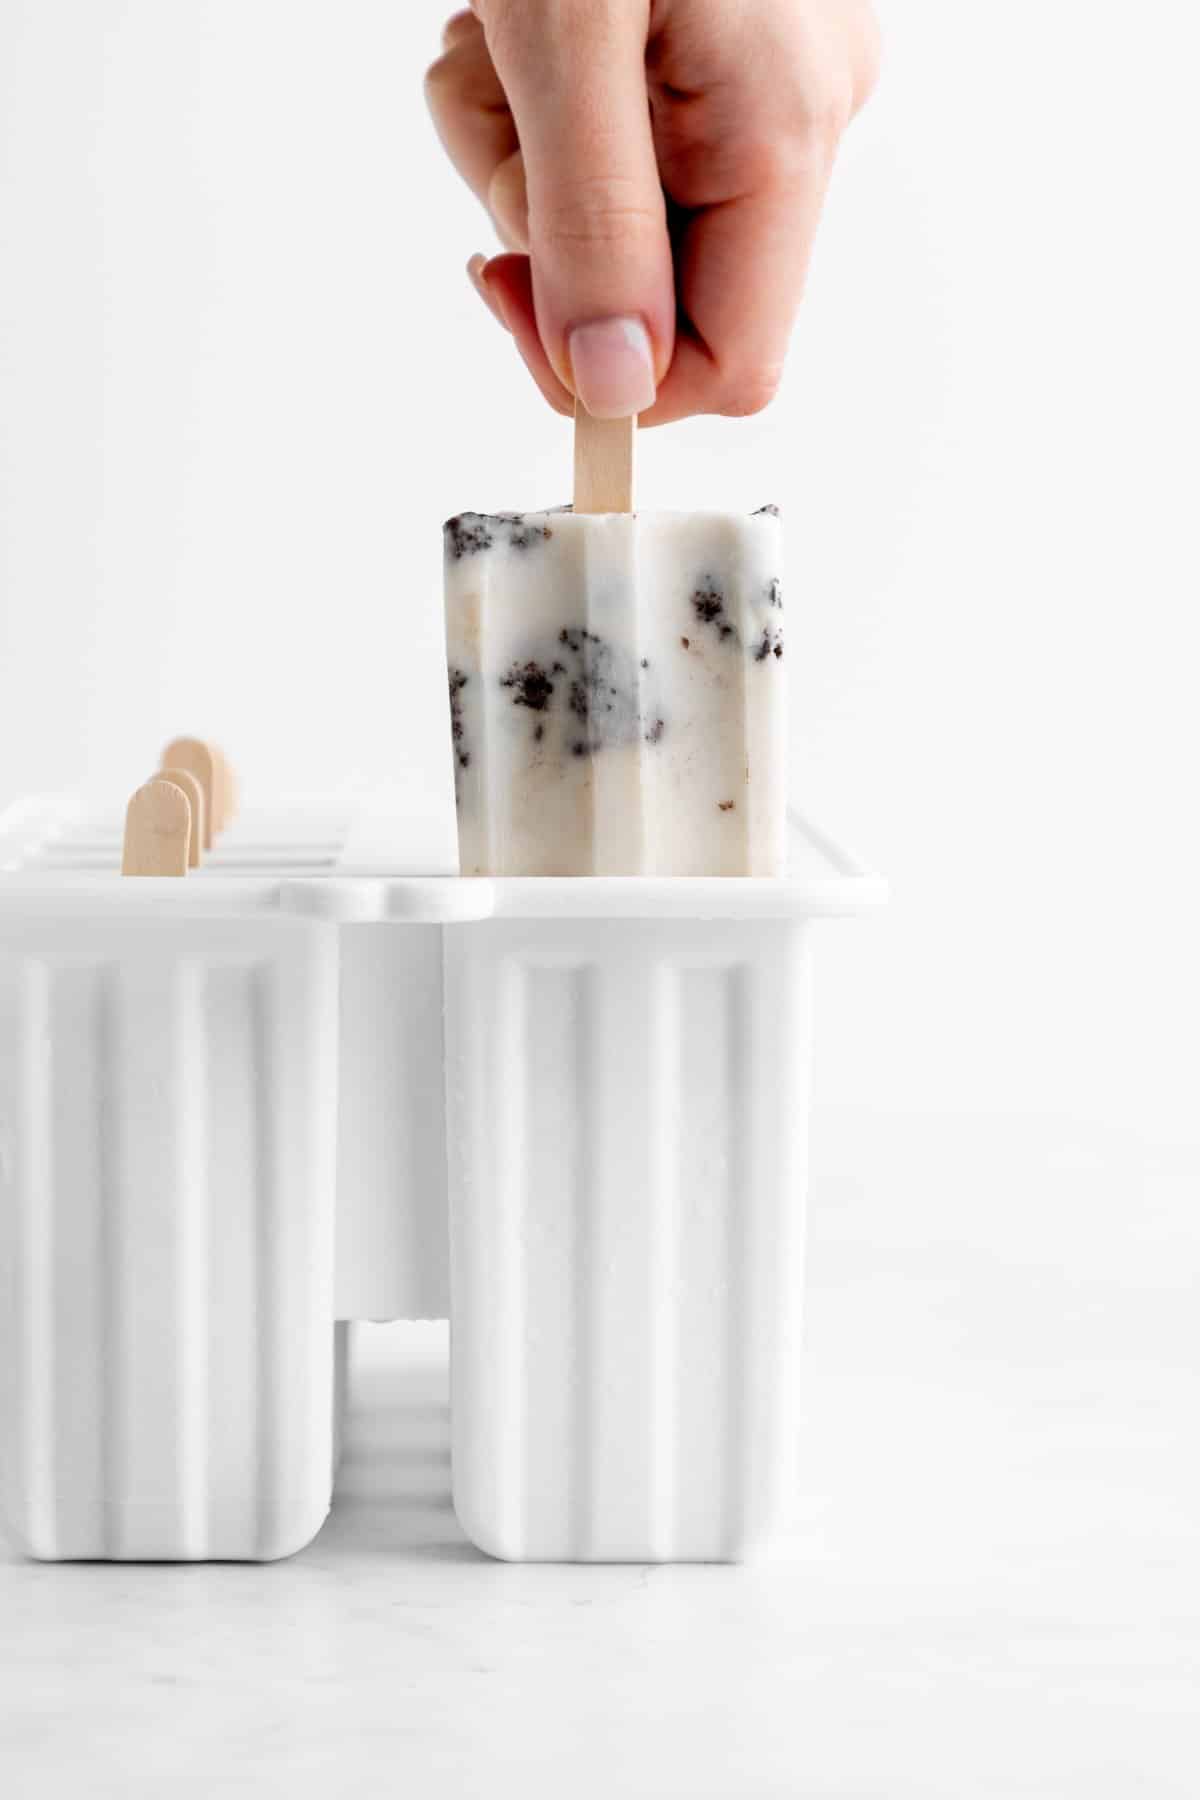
[(617, 692)]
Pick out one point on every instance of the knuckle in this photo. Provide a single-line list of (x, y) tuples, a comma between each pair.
[(549, 15), (869, 60), (506, 22), (440, 78), (752, 391), (819, 122), (459, 27), (827, 106), (793, 157), (601, 212), (796, 143), (816, 121)]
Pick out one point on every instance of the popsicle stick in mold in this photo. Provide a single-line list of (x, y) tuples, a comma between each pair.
[(158, 830), (603, 463), (224, 790), (183, 778), (191, 753)]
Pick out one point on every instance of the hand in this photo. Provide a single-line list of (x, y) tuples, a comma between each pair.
[(656, 169)]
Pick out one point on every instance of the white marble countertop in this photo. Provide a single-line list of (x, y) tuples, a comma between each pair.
[(991, 1592)]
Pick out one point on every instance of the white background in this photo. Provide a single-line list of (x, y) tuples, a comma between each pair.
[(242, 380)]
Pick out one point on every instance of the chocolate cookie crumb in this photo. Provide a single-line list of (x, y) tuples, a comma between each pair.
[(771, 643), (686, 642), (468, 533), (465, 534), (775, 593), (602, 690), (655, 732), (457, 682), (521, 534), (539, 732), (531, 684), (726, 805), (708, 604)]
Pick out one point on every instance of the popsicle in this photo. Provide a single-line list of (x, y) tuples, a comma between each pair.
[(617, 692)]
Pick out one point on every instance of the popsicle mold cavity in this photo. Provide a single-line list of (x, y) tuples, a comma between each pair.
[(617, 693)]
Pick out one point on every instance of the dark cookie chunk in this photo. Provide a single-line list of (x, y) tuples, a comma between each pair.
[(520, 532), (468, 533), (708, 604), (531, 686), (465, 534), (603, 690), (769, 644), (592, 686), (458, 682)]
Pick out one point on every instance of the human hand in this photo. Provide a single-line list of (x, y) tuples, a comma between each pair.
[(656, 169)]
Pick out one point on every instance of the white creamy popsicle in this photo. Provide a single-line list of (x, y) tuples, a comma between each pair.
[(617, 693)]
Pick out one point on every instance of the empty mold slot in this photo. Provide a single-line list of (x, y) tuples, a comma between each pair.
[(66, 862), (267, 862)]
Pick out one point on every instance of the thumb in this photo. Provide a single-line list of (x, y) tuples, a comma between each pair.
[(574, 74)]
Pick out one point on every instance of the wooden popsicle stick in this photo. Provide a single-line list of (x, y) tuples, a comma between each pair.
[(191, 753), (158, 827), (603, 463), (183, 778), (218, 790), (225, 789)]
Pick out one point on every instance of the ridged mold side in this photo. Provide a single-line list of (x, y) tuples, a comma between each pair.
[(166, 1246), (627, 1122)]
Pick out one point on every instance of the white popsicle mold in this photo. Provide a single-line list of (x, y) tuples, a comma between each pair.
[(627, 1123), (166, 1235), (240, 1107)]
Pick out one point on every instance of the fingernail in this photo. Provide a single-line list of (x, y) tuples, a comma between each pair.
[(477, 270), (613, 367)]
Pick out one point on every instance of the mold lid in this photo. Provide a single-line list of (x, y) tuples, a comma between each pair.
[(367, 860)]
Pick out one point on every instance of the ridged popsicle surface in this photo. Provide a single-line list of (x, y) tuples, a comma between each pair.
[(617, 693)]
